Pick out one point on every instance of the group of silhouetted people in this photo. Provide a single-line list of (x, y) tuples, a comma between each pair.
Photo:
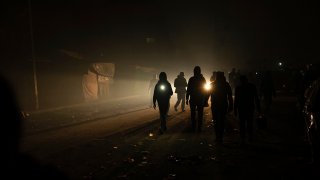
[(196, 93)]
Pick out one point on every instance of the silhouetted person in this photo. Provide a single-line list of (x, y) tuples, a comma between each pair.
[(221, 104), (213, 76), (197, 95), (212, 80), (232, 78), (162, 94), (246, 99), (267, 90), (180, 83), (152, 84), (16, 164)]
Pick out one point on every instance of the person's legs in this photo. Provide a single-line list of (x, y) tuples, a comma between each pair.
[(200, 117), (222, 125), (163, 109), (250, 125), (183, 103), (178, 102), (163, 122), (243, 130), (193, 116), (213, 114), (217, 125)]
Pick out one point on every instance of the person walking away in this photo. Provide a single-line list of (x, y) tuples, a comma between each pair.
[(267, 91), (152, 84), (221, 104), (232, 78), (246, 100), (213, 76), (197, 95), (180, 83), (162, 94)]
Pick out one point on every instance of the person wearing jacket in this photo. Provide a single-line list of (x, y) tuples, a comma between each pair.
[(162, 94), (221, 104), (197, 95), (246, 100), (180, 83)]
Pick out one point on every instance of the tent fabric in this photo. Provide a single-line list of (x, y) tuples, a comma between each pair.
[(90, 86), (105, 69)]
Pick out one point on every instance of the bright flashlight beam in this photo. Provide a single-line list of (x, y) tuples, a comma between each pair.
[(162, 87), (207, 86)]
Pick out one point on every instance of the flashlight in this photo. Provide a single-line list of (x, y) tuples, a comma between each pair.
[(207, 86), (162, 87)]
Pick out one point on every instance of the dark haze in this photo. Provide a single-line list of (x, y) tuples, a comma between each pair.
[(168, 36)]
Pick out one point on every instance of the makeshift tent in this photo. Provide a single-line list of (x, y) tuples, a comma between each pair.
[(96, 82)]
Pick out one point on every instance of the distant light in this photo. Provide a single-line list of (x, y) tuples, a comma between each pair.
[(280, 64), (207, 86), (162, 87), (150, 134), (256, 73), (312, 121)]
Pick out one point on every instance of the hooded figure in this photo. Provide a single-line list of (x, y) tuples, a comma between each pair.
[(246, 100), (221, 104), (197, 95), (162, 94), (180, 83)]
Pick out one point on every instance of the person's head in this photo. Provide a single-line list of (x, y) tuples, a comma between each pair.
[(181, 74), (162, 76), (197, 70), (220, 77)]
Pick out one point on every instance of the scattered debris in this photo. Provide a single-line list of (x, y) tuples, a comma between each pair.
[(131, 160), (145, 152)]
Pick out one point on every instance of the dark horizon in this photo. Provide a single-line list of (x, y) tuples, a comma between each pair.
[(166, 36), (219, 33)]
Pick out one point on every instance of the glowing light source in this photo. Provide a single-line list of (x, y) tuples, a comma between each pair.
[(162, 87), (311, 121), (207, 86), (280, 64)]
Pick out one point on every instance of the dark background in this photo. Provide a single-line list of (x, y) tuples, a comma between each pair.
[(170, 36)]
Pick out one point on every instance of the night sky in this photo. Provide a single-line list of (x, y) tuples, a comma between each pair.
[(218, 34)]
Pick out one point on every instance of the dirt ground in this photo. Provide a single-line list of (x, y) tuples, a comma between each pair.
[(128, 147)]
